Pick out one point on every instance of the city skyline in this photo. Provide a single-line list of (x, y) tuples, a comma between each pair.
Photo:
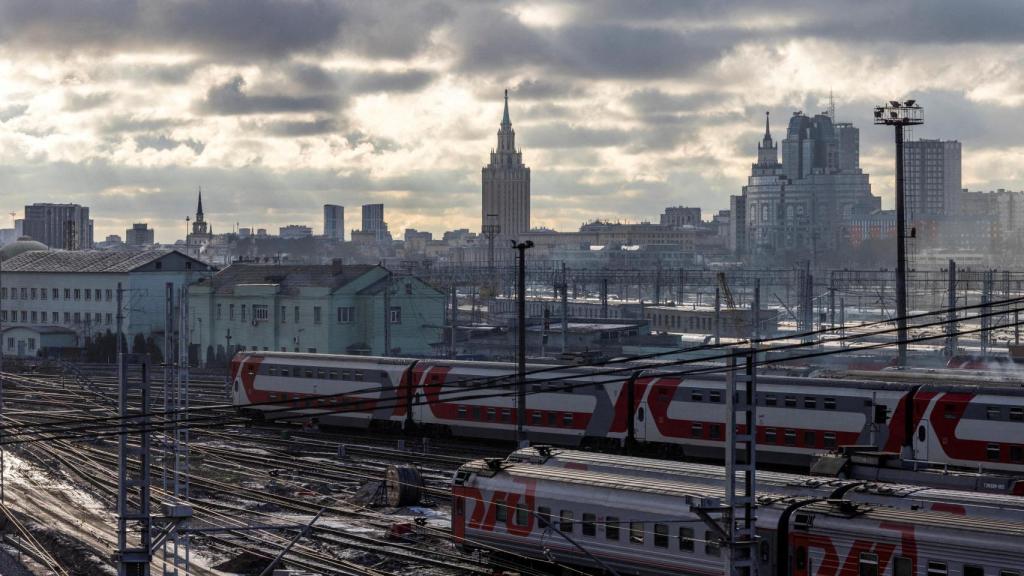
[(621, 109)]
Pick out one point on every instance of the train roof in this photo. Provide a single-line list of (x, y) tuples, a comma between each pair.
[(930, 518)]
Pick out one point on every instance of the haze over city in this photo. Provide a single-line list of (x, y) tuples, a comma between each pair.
[(620, 108)]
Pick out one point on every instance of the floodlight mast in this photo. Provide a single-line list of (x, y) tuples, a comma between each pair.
[(898, 115)]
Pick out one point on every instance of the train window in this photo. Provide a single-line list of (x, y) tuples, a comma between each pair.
[(567, 419), (994, 413), (830, 439), (552, 419), (1016, 454), (661, 535), (830, 403), (500, 512), (522, 516), (697, 430), (544, 516), (973, 571), (506, 414), (476, 413), (769, 435), (640, 414), (1008, 573), (357, 376), (589, 524), (321, 373), (810, 439), (712, 547), (274, 396), (636, 532), (992, 452), (490, 414), (460, 507), (461, 412), (535, 417), (333, 375), (810, 402), (1017, 414), (686, 539), (771, 400), (284, 371), (611, 528), (346, 375), (881, 414), (272, 370), (790, 401), (949, 411), (902, 566), (565, 521), (697, 396), (937, 569), (715, 396), (716, 431), (766, 551), (308, 373), (868, 564), (790, 437)]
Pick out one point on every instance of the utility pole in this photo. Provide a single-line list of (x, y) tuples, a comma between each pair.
[(756, 311), (898, 115), (951, 327), (521, 438), (565, 312), (491, 229), (986, 312), (604, 297), (718, 316), (387, 315), (455, 320)]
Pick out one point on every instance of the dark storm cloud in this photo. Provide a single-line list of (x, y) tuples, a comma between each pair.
[(164, 142), (74, 102), (230, 99), (12, 111), (564, 136), (292, 128), (545, 89), (129, 124), (409, 81)]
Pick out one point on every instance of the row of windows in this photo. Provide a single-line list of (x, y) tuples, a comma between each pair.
[(261, 312), (55, 294), (811, 402), (31, 344), (996, 452), (319, 373), (491, 414), (43, 317), (1015, 413), (613, 528)]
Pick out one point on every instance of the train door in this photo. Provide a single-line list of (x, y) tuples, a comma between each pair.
[(800, 556), (921, 436), (641, 416)]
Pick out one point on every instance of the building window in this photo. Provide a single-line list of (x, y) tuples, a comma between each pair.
[(31, 343), (67, 293), (33, 293), (346, 314), (78, 318), (284, 314), (3, 315), (231, 311), (24, 293), (242, 316), (88, 294), (3, 293), (219, 310), (35, 316), (295, 318), (98, 293), (97, 318), (109, 318), (110, 294), (260, 312), (78, 294), (67, 317), (316, 315), (395, 315), (44, 294)]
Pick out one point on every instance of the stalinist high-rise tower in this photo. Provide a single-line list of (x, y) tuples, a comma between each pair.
[(506, 186)]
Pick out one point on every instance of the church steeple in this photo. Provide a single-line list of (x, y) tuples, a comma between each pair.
[(199, 209)]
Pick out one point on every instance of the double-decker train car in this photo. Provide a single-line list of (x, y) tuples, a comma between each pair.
[(646, 526), (915, 497), (975, 426)]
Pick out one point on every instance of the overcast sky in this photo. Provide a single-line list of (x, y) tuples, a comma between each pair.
[(621, 108)]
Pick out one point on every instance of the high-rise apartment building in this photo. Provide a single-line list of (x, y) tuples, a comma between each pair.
[(373, 222), (62, 226), (506, 185), (140, 234), (931, 179), (334, 222)]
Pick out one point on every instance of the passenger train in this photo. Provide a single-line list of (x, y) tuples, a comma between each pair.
[(975, 426), (644, 526), (914, 497)]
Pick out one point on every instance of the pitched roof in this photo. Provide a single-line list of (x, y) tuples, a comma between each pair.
[(109, 261), (289, 277)]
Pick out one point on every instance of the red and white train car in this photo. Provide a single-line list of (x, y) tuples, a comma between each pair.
[(947, 423), (648, 526)]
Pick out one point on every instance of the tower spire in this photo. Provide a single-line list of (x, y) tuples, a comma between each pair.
[(199, 209), (504, 119), (767, 129)]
